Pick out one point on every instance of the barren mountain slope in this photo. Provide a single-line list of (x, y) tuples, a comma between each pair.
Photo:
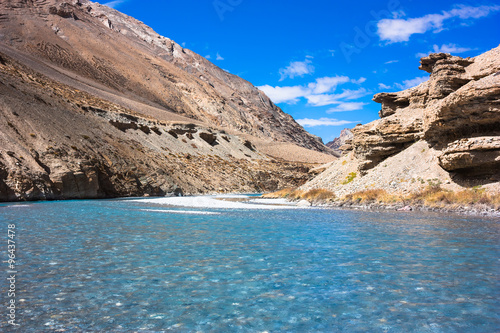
[(94, 104), (99, 48), (57, 142)]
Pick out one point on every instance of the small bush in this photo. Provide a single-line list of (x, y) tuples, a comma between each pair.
[(435, 196), (318, 194), (372, 195), (278, 194), (434, 183), (350, 177), (295, 195)]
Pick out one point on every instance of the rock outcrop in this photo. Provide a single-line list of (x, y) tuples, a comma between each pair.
[(453, 119), (473, 154)]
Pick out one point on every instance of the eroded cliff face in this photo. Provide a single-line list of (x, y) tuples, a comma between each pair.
[(454, 119)]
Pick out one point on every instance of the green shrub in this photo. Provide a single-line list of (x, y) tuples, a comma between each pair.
[(350, 177)]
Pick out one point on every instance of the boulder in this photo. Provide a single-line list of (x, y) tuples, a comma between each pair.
[(303, 203)]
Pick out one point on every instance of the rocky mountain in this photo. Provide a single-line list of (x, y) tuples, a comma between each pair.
[(94, 103), (116, 53), (338, 142), (444, 131)]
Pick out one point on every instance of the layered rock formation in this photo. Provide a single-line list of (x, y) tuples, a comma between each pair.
[(453, 119), (94, 104)]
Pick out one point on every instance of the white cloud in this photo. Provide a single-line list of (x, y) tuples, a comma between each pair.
[(208, 56), (391, 62), (114, 4), (321, 100), (218, 57), (326, 84), (445, 48), (352, 94), (359, 81), (347, 106), (407, 84), (465, 12), (383, 86), (399, 30), (317, 93), (307, 122), (450, 48), (284, 94), (297, 68), (328, 99)]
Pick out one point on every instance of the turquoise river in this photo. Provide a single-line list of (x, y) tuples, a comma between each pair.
[(242, 264)]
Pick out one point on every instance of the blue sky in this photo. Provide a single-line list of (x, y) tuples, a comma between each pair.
[(322, 61)]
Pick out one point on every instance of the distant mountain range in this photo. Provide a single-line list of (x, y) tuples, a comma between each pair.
[(343, 138)]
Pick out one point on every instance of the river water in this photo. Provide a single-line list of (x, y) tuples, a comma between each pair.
[(210, 265)]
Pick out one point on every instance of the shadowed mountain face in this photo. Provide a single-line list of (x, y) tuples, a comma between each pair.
[(95, 104), (116, 53)]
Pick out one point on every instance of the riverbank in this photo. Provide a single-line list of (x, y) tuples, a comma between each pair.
[(474, 201)]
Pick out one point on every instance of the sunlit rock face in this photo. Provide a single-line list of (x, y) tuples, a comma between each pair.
[(459, 101), (444, 131)]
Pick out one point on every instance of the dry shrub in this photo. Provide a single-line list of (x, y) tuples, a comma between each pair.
[(495, 199), (432, 196), (318, 194), (472, 197), (438, 197), (372, 195), (295, 195), (279, 194)]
